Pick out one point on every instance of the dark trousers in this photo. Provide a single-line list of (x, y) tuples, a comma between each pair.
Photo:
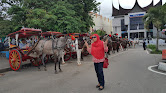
[(99, 73), (144, 47)]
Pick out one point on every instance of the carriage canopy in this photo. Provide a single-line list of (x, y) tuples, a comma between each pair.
[(26, 32)]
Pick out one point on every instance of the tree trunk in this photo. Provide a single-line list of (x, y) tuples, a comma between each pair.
[(157, 40)]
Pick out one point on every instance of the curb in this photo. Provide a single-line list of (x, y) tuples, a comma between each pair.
[(9, 69), (5, 70), (149, 50)]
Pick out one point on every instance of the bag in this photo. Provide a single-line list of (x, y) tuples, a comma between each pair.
[(105, 64)]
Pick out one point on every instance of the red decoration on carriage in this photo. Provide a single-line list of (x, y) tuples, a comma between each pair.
[(110, 35), (116, 34)]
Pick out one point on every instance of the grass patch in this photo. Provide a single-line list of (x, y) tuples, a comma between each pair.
[(153, 48), (156, 52)]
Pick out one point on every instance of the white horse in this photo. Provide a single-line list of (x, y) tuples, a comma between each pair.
[(76, 47), (50, 47)]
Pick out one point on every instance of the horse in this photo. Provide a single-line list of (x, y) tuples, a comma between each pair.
[(115, 44), (76, 46), (124, 43), (50, 47), (135, 43), (109, 44)]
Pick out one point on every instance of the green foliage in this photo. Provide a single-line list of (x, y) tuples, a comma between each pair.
[(99, 32), (5, 27), (157, 16), (156, 52), (152, 47), (53, 15)]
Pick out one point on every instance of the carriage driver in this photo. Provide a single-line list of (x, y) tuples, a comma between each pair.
[(24, 44)]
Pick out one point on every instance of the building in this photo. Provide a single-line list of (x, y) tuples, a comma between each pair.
[(129, 22), (101, 23)]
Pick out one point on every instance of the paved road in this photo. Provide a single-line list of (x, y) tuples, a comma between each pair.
[(127, 73)]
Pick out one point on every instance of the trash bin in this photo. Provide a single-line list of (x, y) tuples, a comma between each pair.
[(164, 54)]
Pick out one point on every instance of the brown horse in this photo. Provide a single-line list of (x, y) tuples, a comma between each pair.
[(124, 43)]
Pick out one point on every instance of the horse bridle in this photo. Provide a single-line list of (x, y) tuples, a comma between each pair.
[(56, 47)]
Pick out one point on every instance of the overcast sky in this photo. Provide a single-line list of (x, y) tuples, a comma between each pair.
[(106, 5)]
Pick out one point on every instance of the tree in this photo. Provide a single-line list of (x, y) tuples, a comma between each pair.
[(5, 27), (54, 15), (99, 32), (155, 15), (82, 8)]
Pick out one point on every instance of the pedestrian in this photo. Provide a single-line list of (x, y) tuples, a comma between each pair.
[(144, 44), (98, 49)]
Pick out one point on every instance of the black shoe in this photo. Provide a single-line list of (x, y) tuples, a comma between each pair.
[(97, 86), (101, 88)]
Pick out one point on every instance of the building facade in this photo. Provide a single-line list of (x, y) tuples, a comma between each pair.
[(129, 22), (101, 23)]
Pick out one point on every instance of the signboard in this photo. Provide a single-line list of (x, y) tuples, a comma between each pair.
[(136, 15), (124, 32)]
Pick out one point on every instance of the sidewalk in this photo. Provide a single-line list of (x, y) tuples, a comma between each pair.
[(4, 65)]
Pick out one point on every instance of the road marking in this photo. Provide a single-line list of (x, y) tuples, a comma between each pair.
[(150, 68)]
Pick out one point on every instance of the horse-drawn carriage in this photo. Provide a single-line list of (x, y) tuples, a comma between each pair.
[(52, 34), (18, 55), (40, 47)]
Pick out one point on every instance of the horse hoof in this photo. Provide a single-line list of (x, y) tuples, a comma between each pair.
[(79, 64), (63, 63), (60, 71), (56, 72)]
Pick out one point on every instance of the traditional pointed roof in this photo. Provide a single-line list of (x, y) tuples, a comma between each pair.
[(159, 3), (122, 10), (136, 8), (149, 6), (115, 11)]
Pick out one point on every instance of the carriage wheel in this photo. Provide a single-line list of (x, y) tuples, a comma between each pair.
[(15, 59), (74, 55), (67, 56), (36, 62)]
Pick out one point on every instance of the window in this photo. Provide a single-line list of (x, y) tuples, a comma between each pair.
[(136, 23), (123, 26)]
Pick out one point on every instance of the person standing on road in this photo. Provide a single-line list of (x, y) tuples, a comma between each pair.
[(144, 44), (98, 49)]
